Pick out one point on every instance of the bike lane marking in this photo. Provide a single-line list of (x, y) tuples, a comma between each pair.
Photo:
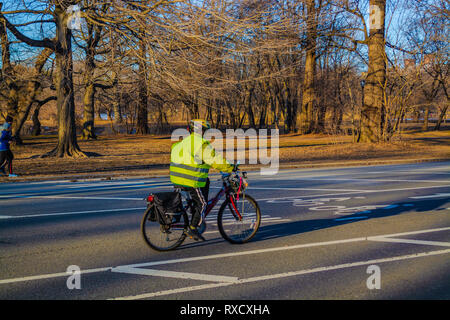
[(70, 213), (269, 200), (345, 193), (225, 255), (174, 274), (282, 275), (437, 195), (410, 241)]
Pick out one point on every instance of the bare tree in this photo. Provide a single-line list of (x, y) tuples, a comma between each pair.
[(61, 44)]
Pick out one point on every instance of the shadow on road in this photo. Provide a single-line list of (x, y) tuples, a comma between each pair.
[(303, 226), (274, 231)]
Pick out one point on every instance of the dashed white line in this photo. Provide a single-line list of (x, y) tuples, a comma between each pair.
[(283, 275), (437, 195), (87, 198), (411, 241), (243, 253), (71, 213), (175, 274), (51, 275)]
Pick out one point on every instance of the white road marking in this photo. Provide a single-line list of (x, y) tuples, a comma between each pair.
[(345, 265), (444, 169), (174, 274), (175, 291), (350, 193), (113, 183), (423, 172), (243, 253), (437, 195), (137, 186), (51, 275), (374, 180), (36, 194), (284, 275), (411, 232), (353, 210), (404, 189), (87, 198), (71, 213), (226, 255), (306, 189), (410, 241), (340, 192), (301, 197)]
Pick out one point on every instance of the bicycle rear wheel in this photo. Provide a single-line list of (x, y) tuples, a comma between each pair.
[(163, 237), (239, 230)]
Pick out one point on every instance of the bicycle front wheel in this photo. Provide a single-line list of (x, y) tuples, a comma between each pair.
[(163, 237), (239, 220)]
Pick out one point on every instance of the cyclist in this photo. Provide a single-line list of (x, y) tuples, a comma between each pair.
[(190, 161)]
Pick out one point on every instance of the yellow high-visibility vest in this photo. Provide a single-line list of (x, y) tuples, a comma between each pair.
[(191, 159)]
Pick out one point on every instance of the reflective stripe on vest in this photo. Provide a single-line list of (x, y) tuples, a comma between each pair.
[(182, 175), (187, 167)]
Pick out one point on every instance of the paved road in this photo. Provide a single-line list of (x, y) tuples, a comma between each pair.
[(374, 232)]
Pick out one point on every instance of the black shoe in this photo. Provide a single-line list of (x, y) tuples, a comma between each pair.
[(193, 233)]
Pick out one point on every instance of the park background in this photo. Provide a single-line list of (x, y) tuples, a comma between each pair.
[(96, 87)]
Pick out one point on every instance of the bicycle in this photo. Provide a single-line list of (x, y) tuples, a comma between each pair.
[(238, 218)]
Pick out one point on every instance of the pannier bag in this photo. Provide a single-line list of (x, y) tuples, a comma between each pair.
[(165, 206)]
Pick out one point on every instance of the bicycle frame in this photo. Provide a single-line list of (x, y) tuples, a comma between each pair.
[(212, 203), (218, 196)]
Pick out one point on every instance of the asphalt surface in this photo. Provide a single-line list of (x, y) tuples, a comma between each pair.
[(373, 232)]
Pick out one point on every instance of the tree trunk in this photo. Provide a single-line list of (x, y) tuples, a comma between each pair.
[(305, 121), (89, 112), (89, 87), (7, 74), (67, 137), (117, 109), (35, 117), (36, 131), (373, 107), (142, 112), (426, 115), (319, 126), (33, 88), (441, 117), (251, 116)]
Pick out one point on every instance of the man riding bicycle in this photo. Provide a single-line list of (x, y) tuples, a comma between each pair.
[(190, 161)]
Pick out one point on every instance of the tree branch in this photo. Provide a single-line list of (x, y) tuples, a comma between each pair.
[(45, 43)]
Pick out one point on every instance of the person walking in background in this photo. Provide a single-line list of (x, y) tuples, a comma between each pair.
[(6, 156)]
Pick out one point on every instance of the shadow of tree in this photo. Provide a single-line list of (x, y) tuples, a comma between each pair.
[(274, 231), (303, 226)]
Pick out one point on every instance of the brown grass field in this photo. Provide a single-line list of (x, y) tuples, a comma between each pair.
[(137, 155)]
